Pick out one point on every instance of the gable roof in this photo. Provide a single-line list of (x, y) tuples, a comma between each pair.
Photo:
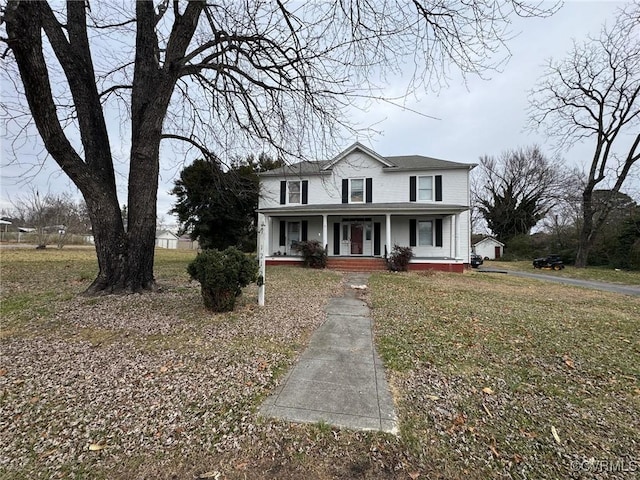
[(165, 233), (489, 239), (389, 164), (362, 148)]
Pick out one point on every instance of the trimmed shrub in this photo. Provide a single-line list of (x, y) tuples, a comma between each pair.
[(222, 275), (399, 258), (313, 253)]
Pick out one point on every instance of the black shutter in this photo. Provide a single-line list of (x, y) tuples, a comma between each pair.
[(345, 190), (439, 189), (412, 231), (438, 231), (412, 188), (376, 238), (305, 192), (283, 192), (305, 229), (369, 190), (283, 230), (336, 239)]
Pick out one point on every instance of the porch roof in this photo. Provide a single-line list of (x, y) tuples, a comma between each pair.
[(365, 209)]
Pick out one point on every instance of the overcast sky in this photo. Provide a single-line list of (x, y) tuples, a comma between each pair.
[(481, 117)]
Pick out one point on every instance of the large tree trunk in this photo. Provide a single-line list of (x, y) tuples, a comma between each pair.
[(587, 231), (125, 266), (125, 258)]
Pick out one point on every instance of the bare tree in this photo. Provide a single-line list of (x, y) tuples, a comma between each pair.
[(228, 75), (594, 95), (54, 216), (514, 191)]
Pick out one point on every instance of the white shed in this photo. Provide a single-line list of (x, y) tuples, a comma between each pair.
[(166, 239), (489, 248)]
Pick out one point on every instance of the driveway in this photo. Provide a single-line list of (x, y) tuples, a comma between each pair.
[(607, 287)]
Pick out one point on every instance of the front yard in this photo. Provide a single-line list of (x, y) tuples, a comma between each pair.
[(493, 376)]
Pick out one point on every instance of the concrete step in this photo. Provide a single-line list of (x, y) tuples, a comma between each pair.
[(351, 264)]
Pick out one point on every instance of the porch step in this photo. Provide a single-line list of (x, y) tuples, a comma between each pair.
[(351, 264)]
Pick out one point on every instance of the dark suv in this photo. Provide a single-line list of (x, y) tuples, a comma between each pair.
[(476, 260), (552, 262)]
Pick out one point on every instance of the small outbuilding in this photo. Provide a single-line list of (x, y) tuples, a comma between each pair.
[(489, 248), (166, 239)]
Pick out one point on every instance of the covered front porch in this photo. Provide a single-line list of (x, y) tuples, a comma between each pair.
[(365, 231)]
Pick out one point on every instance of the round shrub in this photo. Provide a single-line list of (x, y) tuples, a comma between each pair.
[(399, 258), (313, 253), (222, 275)]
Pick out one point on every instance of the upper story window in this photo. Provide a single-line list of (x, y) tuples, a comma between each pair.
[(425, 188), (356, 190), (294, 191)]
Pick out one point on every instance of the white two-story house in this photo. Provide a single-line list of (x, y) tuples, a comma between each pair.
[(360, 204)]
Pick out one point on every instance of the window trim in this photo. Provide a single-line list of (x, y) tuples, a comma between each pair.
[(419, 177), (364, 190), (418, 222), (299, 202)]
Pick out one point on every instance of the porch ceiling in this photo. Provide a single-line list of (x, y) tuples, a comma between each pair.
[(366, 209)]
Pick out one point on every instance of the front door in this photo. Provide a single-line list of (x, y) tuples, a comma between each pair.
[(356, 238), (497, 252)]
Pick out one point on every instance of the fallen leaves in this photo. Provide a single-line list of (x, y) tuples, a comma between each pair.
[(569, 362), (192, 388)]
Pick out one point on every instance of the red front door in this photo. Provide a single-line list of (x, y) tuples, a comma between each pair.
[(356, 239), (497, 250)]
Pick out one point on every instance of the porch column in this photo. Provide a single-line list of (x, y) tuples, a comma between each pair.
[(457, 244), (263, 248), (452, 236), (388, 233), (324, 230)]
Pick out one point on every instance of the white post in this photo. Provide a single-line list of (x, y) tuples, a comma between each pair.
[(388, 233), (263, 246), (457, 235), (452, 235), (324, 230)]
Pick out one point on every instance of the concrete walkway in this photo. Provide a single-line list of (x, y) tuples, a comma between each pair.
[(606, 287), (339, 379)]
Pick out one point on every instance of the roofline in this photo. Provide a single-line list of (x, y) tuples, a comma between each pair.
[(362, 148), (456, 166), (366, 208), (489, 238)]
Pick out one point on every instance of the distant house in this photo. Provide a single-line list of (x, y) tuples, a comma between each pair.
[(489, 248), (360, 204), (166, 239)]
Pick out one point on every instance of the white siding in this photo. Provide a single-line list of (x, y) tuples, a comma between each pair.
[(487, 248), (388, 187)]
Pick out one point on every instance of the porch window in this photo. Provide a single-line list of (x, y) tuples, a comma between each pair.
[(425, 233), (357, 190), (293, 233), (425, 188), (294, 189)]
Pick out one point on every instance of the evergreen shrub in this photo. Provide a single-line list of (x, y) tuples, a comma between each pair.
[(222, 275)]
